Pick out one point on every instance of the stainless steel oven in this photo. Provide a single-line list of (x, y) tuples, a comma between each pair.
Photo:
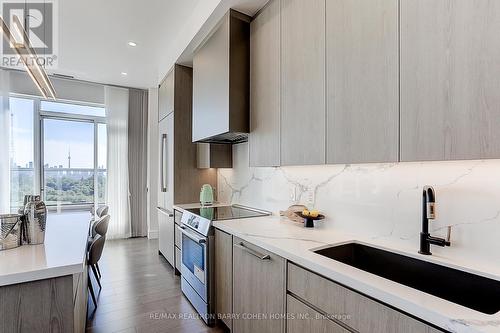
[(197, 266), (197, 271)]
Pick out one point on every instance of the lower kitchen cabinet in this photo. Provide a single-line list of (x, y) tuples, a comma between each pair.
[(352, 309), (262, 282), (224, 276), (258, 289), (302, 318), (166, 231)]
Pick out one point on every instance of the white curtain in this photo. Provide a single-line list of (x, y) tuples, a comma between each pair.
[(5, 141), (117, 189)]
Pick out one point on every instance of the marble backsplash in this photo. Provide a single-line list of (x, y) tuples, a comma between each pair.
[(382, 201)]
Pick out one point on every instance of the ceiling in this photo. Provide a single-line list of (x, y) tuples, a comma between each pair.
[(93, 36)]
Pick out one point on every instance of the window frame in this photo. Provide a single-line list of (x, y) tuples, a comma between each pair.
[(38, 117)]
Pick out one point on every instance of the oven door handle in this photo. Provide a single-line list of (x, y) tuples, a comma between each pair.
[(197, 239), (259, 255)]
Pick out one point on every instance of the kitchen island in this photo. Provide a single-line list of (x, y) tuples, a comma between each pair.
[(44, 287)]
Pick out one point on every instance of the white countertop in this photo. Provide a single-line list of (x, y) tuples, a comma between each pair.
[(294, 242), (63, 253)]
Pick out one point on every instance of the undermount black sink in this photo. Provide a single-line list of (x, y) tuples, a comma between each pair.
[(472, 291)]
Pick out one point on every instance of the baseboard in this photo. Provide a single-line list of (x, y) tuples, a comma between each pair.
[(153, 234)]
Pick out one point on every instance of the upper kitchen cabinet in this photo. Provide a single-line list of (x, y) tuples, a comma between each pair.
[(303, 109), (221, 83), (180, 179), (264, 138), (166, 96), (362, 81), (450, 80)]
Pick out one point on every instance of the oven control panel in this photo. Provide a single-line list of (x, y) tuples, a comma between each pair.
[(196, 222), (193, 221)]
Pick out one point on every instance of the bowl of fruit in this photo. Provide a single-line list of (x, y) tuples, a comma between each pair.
[(309, 217)]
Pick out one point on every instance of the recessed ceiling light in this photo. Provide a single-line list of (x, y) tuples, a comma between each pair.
[(131, 43), (124, 73)]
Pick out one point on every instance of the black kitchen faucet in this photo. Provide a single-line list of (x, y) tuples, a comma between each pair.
[(429, 213)]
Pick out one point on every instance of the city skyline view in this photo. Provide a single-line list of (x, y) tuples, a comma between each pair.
[(60, 138), (66, 152)]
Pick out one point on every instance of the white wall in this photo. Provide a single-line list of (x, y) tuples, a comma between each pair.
[(152, 177), (204, 17), (173, 49), (382, 201)]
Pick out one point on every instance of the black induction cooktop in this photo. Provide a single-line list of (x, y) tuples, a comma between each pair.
[(226, 212)]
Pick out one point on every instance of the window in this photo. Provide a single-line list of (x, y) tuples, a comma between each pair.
[(68, 177), (58, 150), (22, 167)]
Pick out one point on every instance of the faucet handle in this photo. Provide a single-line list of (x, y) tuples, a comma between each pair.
[(448, 234), (431, 210)]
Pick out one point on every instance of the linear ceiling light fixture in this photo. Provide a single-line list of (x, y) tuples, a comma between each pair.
[(21, 44)]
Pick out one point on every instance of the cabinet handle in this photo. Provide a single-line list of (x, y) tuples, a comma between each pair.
[(252, 252), (163, 164), (166, 211)]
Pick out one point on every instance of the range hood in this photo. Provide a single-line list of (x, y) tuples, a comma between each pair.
[(221, 82)]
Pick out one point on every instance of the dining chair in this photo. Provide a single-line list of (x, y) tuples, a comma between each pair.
[(96, 215), (100, 228), (94, 254), (101, 211)]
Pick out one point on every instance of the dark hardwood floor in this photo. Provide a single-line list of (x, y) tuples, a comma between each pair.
[(140, 293)]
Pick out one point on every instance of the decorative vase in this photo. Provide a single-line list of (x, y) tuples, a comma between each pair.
[(10, 231), (34, 221)]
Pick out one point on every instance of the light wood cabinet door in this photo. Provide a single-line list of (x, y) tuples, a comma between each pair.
[(303, 108), (450, 80), (224, 276), (301, 318), (264, 138), (258, 289), (166, 96), (362, 81)]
